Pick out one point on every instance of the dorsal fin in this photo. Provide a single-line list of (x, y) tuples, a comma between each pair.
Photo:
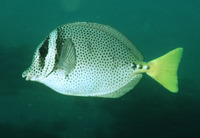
[(113, 32), (67, 60)]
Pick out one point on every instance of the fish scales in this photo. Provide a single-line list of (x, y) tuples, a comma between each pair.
[(100, 53)]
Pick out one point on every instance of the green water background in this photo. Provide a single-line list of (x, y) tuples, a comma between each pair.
[(29, 109)]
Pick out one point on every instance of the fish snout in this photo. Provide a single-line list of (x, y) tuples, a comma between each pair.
[(26, 75)]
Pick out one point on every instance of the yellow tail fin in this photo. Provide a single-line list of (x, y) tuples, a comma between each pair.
[(164, 69)]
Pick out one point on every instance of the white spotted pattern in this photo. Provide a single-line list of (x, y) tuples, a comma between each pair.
[(103, 62)]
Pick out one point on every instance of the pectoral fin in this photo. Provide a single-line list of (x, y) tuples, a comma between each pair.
[(67, 60)]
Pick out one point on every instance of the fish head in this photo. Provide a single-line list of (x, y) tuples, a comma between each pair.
[(34, 72), (43, 60)]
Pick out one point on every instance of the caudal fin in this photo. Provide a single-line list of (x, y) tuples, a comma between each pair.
[(164, 69)]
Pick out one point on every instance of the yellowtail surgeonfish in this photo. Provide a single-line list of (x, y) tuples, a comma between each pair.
[(90, 59)]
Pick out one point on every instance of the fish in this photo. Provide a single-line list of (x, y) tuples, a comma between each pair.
[(95, 60)]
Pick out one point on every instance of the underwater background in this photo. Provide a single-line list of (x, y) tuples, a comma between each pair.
[(32, 110)]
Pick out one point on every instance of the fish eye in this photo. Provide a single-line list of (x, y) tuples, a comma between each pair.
[(43, 51), (44, 48)]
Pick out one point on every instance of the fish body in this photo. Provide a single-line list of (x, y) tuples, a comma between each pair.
[(90, 59)]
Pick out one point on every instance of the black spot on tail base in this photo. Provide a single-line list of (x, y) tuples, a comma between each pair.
[(133, 65), (140, 66)]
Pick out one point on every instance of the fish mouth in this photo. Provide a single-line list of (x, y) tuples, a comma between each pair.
[(26, 75), (29, 76)]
